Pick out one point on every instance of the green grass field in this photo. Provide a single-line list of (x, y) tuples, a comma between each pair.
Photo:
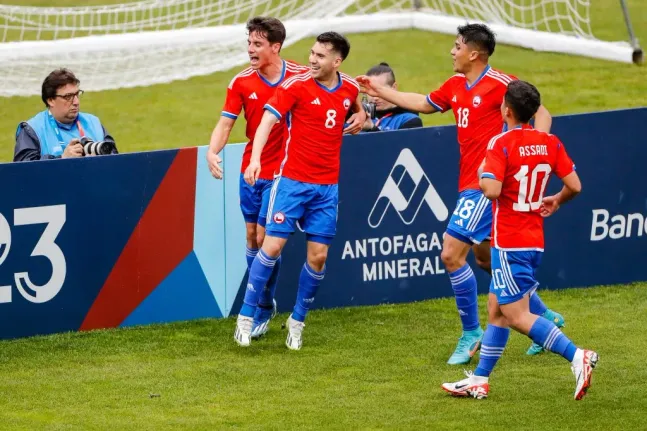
[(360, 368), (183, 113)]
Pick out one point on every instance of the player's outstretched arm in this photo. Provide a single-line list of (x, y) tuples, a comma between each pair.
[(543, 120), (572, 187), (411, 101), (219, 138), (260, 139)]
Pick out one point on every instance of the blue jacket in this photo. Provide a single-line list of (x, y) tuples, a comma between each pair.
[(395, 119), (37, 138)]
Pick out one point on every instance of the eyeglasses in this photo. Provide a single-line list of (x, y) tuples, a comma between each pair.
[(70, 96)]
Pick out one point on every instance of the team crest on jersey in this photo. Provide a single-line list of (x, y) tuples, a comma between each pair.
[(346, 103), (279, 218), (476, 101)]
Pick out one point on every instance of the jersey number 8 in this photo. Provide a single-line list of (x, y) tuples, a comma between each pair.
[(331, 114)]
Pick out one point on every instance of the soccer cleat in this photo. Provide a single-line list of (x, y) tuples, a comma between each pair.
[(262, 319), (582, 367), (243, 333), (467, 347), (295, 330), (554, 317), (473, 386)]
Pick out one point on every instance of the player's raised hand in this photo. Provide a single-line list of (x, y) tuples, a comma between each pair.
[(549, 205), (367, 85), (213, 161), (252, 172), (355, 123)]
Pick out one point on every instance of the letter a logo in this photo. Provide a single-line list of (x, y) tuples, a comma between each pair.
[(407, 208)]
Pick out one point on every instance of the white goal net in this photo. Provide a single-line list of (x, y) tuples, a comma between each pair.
[(158, 41)]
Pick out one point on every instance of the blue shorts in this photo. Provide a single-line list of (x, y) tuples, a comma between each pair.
[(254, 200), (314, 206), (514, 274), (471, 221)]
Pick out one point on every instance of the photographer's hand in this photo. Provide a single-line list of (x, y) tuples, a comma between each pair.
[(213, 161), (368, 124), (73, 149)]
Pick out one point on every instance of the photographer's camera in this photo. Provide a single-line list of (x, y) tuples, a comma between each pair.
[(92, 148)]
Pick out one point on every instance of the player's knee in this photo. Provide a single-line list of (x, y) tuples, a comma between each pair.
[(451, 260), (252, 241), (317, 259), (260, 236)]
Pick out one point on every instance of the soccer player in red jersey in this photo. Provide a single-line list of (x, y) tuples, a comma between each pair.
[(514, 175), (305, 189), (250, 90), (474, 94)]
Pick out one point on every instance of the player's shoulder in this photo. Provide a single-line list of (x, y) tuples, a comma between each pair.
[(455, 79), (497, 77), (241, 76), (501, 139), (349, 81), (296, 81), (294, 68)]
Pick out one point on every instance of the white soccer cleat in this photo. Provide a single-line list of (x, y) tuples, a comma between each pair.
[(243, 333), (295, 330), (582, 366), (473, 386)]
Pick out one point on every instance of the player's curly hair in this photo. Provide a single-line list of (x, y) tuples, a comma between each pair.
[(272, 28), (381, 69), (523, 99), (339, 43), (479, 35)]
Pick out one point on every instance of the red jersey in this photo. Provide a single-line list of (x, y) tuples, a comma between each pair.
[(317, 117), (523, 160), (477, 109), (251, 91)]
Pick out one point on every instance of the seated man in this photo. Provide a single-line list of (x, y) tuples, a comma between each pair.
[(387, 116), (58, 131)]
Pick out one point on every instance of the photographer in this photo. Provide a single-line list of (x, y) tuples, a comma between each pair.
[(61, 130), (383, 115)]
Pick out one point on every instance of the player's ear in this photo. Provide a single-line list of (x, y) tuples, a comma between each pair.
[(395, 86), (276, 48)]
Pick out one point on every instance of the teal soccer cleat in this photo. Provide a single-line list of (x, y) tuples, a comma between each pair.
[(467, 347)]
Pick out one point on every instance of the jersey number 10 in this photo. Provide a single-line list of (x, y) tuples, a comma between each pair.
[(525, 202)]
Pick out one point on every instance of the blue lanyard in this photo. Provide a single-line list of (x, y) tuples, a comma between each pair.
[(54, 125)]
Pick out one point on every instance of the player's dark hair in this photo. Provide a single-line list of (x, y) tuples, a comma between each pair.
[(523, 99), (339, 43), (56, 79), (271, 28), (381, 69), (479, 35)]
